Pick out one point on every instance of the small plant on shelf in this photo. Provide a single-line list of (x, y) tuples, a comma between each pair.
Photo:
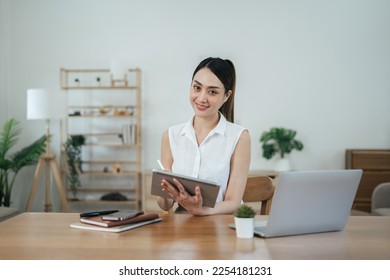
[(73, 158)]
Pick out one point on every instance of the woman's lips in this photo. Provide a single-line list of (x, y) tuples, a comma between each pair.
[(201, 107)]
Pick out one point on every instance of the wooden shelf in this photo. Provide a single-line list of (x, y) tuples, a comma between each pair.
[(110, 173), (111, 145), (110, 162), (112, 130), (96, 87), (99, 116), (103, 202), (96, 134), (103, 190)]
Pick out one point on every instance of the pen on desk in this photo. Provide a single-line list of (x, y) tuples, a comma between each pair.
[(97, 213), (161, 166)]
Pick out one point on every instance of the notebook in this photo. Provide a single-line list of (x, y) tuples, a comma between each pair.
[(98, 221), (209, 190), (310, 202), (117, 229)]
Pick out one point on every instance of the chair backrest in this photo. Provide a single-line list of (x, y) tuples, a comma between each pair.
[(259, 189), (381, 196)]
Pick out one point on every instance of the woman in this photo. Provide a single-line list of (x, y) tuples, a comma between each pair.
[(210, 146)]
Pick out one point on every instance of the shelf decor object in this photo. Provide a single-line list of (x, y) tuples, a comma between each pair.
[(43, 104), (118, 71)]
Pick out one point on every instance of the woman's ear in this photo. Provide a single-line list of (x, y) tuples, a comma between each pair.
[(227, 95)]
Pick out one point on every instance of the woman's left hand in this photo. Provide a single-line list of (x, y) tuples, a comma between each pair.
[(192, 203)]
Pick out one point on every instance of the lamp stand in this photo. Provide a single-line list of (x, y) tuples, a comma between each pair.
[(49, 161)]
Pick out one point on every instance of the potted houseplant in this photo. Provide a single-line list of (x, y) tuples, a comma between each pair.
[(280, 141), (244, 220), (10, 165), (73, 159)]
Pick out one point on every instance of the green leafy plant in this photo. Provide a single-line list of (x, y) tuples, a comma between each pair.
[(244, 211), (73, 157), (12, 164), (279, 140)]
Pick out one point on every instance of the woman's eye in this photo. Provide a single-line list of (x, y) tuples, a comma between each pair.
[(197, 88), (213, 92)]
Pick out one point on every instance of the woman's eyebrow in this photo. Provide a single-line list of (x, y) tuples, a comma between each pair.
[(207, 87)]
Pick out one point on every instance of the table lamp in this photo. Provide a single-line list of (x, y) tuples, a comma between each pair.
[(43, 104)]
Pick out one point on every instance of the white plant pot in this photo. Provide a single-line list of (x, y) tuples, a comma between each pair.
[(244, 227), (283, 164)]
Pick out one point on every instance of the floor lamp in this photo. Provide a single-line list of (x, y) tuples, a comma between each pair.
[(47, 105)]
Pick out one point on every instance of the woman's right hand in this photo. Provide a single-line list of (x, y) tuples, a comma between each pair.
[(192, 203)]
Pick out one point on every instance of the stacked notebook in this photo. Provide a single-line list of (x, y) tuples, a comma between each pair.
[(97, 223)]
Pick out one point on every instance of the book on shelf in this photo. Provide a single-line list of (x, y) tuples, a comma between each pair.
[(98, 221), (129, 134)]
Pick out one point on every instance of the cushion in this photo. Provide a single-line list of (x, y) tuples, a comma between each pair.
[(381, 212)]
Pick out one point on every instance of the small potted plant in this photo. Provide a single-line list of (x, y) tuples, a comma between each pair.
[(74, 163), (280, 141), (244, 219)]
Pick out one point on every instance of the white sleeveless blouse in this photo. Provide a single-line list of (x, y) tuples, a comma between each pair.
[(211, 159)]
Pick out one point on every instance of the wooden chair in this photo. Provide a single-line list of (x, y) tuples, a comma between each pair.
[(260, 189), (380, 202)]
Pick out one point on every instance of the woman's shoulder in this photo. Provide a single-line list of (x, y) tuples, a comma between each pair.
[(237, 132), (235, 127)]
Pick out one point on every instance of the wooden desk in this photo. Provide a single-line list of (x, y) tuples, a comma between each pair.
[(49, 236)]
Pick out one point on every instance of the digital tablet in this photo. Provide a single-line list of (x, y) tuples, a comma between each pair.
[(209, 190)]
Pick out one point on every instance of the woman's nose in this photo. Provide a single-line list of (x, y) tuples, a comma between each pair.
[(202, 96)]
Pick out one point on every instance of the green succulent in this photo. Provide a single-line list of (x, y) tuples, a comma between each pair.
[(244, 211)]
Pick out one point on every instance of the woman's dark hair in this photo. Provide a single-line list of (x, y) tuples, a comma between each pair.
[(226, 73)]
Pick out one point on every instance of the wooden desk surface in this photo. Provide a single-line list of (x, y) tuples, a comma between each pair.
[(49, 236)]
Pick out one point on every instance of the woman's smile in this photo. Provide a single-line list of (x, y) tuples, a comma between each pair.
[(201, 106)]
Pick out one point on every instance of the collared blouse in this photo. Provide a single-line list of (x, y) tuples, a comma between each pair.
[(211, 159)]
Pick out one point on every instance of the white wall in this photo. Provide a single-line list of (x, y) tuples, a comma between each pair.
[(320, 67)]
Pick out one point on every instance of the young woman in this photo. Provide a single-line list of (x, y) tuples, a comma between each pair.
[(209, 146)]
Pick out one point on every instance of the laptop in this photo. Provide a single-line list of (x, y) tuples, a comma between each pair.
[(310, 202)]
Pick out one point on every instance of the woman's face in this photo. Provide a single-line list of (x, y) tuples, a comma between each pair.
[(207, 93)]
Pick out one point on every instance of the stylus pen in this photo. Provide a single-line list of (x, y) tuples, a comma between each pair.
[(161, 166), (97, 213)]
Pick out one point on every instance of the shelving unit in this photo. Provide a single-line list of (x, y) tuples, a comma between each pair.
[(107, 114)]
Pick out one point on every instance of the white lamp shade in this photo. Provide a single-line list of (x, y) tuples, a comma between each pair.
[(46, 104)]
